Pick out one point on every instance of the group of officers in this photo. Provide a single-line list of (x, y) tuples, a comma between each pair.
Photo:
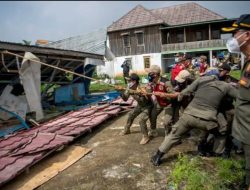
[(202, 106)]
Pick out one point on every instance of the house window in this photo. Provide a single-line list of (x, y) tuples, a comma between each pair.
[(198, 35), (126, 40), (146, 62), (215, 34), (180, 37), (140, 38)]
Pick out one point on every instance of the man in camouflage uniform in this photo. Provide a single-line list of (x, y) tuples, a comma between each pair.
[(143, 107), (156, 85), (241, 123), (201, 112)]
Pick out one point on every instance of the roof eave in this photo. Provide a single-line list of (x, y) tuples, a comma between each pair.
[(197, 23), (46, 50), (109, 31)]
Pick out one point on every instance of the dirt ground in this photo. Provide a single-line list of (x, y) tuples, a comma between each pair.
[(117, 162)]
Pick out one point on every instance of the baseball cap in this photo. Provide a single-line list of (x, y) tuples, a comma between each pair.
[(153, 69), (242, 23), (182, 76)]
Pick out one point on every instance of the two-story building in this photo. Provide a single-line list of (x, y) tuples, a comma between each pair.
[(148, 37)]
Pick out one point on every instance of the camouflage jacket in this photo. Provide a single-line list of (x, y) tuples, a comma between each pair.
[(141, 100)]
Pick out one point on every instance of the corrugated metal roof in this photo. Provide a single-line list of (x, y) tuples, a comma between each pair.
[(46, 50), (93, 42)]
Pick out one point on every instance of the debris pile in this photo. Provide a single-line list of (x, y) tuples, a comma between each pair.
[(23, 149)]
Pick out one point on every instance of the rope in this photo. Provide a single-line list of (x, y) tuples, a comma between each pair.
[(58, 68), (80, 75)]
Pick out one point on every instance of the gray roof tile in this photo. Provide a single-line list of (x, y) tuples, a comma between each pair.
[(173, 15), (139, 16)]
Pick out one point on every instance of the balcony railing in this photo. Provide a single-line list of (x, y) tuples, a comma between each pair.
[(194, 45)]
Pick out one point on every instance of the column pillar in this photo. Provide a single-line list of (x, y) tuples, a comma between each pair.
[(209, 31), (210, 57), (185, 40)]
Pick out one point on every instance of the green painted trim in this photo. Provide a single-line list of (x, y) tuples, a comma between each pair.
[(194, 50)]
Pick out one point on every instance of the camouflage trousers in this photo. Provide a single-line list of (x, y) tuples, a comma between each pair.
[(185, 124), (144, 113), (156, 110)]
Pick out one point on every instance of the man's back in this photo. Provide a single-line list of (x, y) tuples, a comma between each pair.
[(208, 94)]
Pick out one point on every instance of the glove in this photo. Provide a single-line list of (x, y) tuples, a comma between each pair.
[(180, 97), (120, 88)]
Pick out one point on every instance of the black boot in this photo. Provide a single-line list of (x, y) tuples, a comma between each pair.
[(156, 159), (202, 149), (226, 154)]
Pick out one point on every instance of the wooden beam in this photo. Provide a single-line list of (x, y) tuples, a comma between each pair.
[(54, 71), (9, 64), (47, 68)]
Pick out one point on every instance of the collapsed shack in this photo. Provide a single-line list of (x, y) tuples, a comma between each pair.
[(48, 78), (79, 62)]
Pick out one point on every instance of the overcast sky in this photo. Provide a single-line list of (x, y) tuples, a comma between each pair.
[(55, 20)]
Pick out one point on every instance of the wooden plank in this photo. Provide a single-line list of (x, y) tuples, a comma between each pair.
[(49, 168)]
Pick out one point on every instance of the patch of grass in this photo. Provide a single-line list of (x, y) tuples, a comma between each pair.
[(100, 87), (231, 171), (195, 173)]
